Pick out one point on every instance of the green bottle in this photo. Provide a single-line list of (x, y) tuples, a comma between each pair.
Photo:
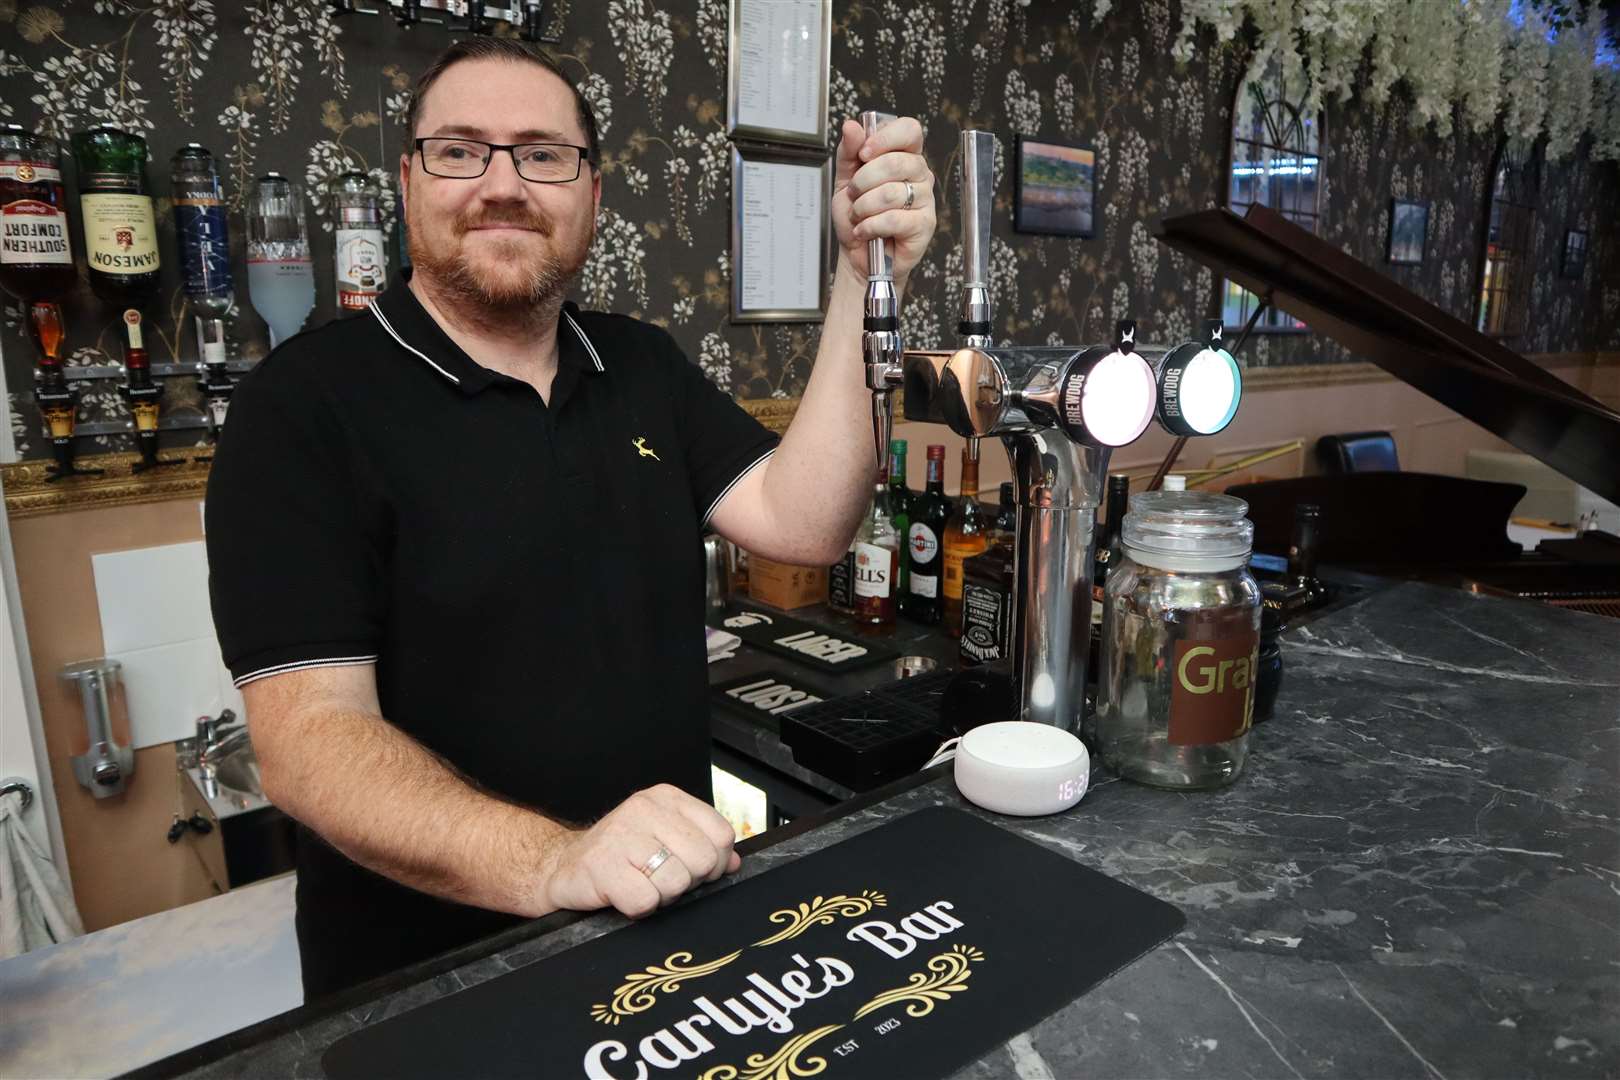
[(120, 232), (899, 502)]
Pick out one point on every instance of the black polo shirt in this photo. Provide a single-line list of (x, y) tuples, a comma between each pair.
[(526, 577)]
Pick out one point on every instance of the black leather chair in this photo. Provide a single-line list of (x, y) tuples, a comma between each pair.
[(1362, 451)]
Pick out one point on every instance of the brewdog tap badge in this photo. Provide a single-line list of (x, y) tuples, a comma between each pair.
[(875, 957)]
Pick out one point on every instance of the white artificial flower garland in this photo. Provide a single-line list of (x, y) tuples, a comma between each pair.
[(1464, 61)]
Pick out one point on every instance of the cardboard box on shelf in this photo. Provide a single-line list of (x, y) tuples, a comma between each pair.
[(785, 586)]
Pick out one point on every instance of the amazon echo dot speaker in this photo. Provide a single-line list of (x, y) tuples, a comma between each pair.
[(1022, 768)]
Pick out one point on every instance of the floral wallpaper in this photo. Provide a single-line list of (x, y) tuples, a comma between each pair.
[(289, 86)]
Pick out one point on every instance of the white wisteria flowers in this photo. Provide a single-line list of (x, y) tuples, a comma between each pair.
[(1478, 61)]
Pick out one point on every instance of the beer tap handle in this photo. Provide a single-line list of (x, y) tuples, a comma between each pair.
[(878, 261), (881, 346), (978, 188), (1125, 335)]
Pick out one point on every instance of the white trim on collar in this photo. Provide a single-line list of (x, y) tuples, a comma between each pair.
[(381, 318), (597, 360)]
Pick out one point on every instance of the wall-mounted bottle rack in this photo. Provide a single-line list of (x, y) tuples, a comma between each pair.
[(169, 421), (457, 16)]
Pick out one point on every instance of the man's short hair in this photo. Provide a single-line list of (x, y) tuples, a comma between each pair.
[(498, 48)]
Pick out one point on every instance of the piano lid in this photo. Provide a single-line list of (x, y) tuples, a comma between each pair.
[(1410, 338)]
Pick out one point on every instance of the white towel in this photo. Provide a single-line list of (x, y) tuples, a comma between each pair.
[(721, 645), (35, 905)]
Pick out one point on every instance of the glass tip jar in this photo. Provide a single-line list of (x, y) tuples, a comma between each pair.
[(1181, 637)]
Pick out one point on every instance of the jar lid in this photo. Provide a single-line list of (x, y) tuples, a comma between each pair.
[(1188, 530)]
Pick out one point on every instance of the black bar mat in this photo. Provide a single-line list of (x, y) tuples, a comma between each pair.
[(818, 648), (765, 695), (908, 951)]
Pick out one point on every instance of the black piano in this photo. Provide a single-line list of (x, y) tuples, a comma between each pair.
[(1442, 529)]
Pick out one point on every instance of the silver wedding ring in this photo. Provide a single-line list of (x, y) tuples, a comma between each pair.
[(911, 196), (659, 858)]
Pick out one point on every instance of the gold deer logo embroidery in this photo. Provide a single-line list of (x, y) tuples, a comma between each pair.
[(640, 443)]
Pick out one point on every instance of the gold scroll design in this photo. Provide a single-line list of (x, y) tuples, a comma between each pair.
[(820, 912), (788, 1061), (951, 971), (640, 989)]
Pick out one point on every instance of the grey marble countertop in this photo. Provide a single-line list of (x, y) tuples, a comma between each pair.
[(1419, 876)]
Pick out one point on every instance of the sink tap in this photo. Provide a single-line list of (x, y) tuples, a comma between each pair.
[(881, 345), (218, 736)]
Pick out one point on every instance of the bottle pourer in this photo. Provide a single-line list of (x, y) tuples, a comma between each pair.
[(881, 346)]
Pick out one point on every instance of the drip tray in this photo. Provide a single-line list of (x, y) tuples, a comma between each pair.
[(865, 740)]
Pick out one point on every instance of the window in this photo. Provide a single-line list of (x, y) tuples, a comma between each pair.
[(1276, 162), (1504, 280)]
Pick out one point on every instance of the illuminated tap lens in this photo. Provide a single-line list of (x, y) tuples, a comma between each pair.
[(1117, 399), (1199, 390)]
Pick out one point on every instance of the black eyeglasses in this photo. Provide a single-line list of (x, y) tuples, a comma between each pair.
[(468, 159)]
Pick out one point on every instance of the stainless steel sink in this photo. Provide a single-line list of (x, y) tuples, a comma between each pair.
[(239, 771), (250, 838)]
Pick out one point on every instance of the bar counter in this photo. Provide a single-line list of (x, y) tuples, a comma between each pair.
[(1418, 875)]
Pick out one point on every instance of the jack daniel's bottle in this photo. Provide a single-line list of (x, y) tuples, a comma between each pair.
[(987, 593)]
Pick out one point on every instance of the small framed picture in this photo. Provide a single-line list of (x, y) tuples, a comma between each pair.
[(1574, 264), (780, 241), (1408, 231), (1054, 188)]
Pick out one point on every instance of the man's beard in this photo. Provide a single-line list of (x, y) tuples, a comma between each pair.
[(458, 281)]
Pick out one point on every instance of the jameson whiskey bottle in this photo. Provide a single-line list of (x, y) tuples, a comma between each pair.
[(120, 232), (929, 512), (361, 257), (877, 560), (966, 535), (899, 500)]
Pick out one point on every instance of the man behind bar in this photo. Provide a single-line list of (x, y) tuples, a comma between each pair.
[(454, 541)]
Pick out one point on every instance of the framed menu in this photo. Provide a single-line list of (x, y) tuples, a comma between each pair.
[(779, 63), (779, 234)]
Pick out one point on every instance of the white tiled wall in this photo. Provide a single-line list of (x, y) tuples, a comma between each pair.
[(155, 621)]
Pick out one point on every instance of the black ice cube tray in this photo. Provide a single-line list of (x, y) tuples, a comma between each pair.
[(865, 740)]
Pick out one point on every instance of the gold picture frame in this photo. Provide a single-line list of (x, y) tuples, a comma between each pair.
[(30, 492)]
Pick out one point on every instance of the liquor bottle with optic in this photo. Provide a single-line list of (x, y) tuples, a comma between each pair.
[(36, 267), (281, 275), (120, 228), (205, 255), (362, 271)]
